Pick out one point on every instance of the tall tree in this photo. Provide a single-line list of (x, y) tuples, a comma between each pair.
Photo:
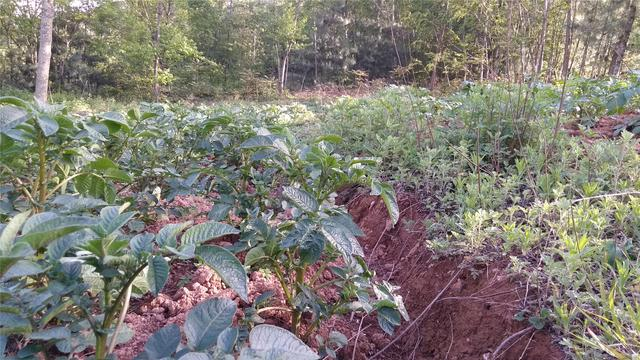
[(44, 51), (620, 47)]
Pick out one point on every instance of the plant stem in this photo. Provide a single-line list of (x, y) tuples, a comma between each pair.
[(111, 311), (101, 346), (42, 169), (297, 314), (123, 314), (283, 284), (63, 183)]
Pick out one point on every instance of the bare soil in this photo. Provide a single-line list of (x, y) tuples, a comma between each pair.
[(469, 319), (603, 129)]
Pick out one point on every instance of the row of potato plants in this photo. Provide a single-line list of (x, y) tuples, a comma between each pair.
[(75, 191)]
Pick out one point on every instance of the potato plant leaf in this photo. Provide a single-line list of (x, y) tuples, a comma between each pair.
[(301, 199), (272, 342), (158, 274), (227, 266), (168, 234), (48, 125), (163, 343), (207, 320), (207, 231), (8, 234)]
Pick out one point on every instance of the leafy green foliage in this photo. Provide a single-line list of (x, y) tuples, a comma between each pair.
[(75, 260)]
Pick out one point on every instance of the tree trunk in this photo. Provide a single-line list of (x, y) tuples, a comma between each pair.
[(315, 54), (568, 38), (44, 51), (583, 60), (156, 46), (543, 38), (284, 67), (621, 45)]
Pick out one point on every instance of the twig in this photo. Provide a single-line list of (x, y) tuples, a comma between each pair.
[(372, 253), (506, 341), (606, 196), (419, 317), (276, 308), (526, 347), (415, 347), (450, 343), (355, 344)]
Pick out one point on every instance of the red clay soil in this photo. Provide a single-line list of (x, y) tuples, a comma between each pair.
[(469, 320), (603, 129)]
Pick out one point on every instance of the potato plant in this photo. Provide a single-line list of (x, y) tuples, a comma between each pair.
[(70, 261), (57, 260)]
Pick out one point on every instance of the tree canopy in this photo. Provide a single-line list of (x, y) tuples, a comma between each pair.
[(203, 48)]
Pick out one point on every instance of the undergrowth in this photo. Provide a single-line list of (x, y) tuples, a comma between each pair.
[(492, 162), (502, 178)]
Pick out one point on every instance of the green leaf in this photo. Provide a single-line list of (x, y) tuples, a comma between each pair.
[(332, 138), (40, 233), (111, 219), (254, 256), (301, 199), (347, 222), (207, 231), (58, 332), (118, 174), (57, 249), (92, 185), (227, 266), (186, 251), (8, 234), (168, 234), (18, 252), (389, 197), (258, 141), (72, 204), (227, 339), (142, 243), (163, 343), (37, 220), (158, 274), (200, 356), (13, 324), (219, 212), (388, 319), (207, 320), (272, 342), (48, 125), (308, 238), (10, 117), (114, 121), (341, 238), (312, 247), (3, 343), (22, 268), (103, 163)]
